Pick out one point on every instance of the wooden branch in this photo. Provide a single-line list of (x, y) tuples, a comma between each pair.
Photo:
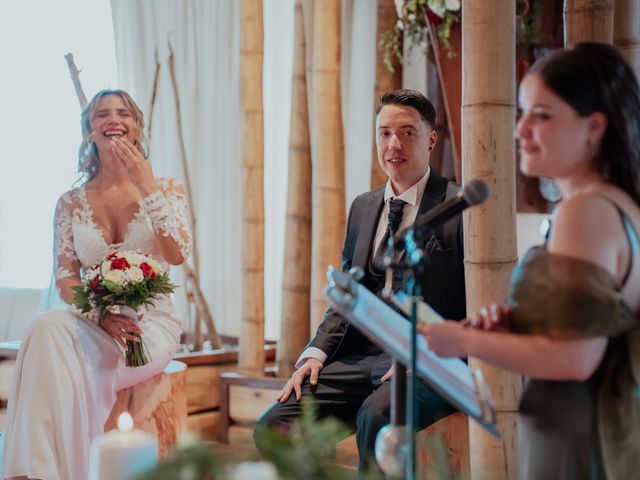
[(154, 92), (202, 307), (75, 78)]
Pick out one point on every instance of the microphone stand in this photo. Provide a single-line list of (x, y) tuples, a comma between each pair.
[(415, 261)]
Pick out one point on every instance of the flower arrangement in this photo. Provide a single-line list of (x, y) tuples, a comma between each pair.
[(413, 16), (121, 284), (306, 451)]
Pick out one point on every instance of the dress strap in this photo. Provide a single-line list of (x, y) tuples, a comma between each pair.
[(632, 238)]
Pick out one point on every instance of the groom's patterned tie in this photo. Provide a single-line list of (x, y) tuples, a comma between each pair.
[(396, 209)]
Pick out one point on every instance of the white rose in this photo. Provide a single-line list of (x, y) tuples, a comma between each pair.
[(105, 267), (135, 259), (253, 470), (452, 5), (437, 7), (134, 275), (131, 259), (155, 265), (115, 276)]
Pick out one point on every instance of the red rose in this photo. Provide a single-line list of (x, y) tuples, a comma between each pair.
[(147, 270), (94, 286), (119, 264), (112, 256)]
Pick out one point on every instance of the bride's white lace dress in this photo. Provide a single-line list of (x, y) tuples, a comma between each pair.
[(68, 369)]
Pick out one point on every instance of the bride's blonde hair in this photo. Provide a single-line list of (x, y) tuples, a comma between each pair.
[(88, 155)]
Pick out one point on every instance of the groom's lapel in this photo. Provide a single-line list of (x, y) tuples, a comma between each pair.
[(368, 226), (434, 192)]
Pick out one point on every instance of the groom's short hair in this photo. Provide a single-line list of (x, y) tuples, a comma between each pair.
[(410, 98)]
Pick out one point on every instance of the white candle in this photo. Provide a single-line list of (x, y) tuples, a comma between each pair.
[(120, 454)]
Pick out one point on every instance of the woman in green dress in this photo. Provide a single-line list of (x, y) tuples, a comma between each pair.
[(570, 323)]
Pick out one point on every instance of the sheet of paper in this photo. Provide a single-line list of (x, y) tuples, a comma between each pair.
[(426, 314)]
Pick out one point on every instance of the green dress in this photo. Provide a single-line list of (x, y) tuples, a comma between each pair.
[(578, 430)]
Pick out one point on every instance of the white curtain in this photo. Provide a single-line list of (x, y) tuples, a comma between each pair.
[(204, 36), (358, 65), (205, 39), (40, 129)]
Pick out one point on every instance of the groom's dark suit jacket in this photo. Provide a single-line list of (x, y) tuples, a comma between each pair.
[(442, 282)]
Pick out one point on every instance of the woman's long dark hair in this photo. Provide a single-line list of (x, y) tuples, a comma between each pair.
[(593, 77)]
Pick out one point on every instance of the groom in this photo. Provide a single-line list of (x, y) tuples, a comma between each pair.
[(344, 372)]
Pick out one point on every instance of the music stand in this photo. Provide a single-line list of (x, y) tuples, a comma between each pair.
[(450, 377)]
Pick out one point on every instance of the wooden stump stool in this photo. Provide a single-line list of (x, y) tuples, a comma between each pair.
[(453, 433), (157, 406)]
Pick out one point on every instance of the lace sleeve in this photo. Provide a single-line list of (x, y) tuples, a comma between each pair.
[(65, 260), (169, 213)]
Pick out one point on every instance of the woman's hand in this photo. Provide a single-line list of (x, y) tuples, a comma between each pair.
[(446, 339), (495, 318), (137, 167), (121, 328)]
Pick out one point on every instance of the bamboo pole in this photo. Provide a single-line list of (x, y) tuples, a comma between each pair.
[(588, 21), (297, 253), (488, 123), (327, 152), (626, 34), (203, 313), (386, 81), (251, 355), (307, 20)]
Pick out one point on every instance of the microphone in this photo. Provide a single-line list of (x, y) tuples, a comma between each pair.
[(474, 193)]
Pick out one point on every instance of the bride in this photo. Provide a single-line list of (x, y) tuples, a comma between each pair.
[(70, 365)]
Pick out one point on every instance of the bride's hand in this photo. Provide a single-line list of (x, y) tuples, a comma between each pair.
[(121, 328), (137, 167)]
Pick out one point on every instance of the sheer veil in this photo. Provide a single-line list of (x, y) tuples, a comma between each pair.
[(50, 298)]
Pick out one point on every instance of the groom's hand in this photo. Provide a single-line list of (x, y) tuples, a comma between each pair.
[(310, 368)]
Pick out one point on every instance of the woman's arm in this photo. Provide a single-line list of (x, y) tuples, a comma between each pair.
[(587, 228), (66, 266), (168, 209), (164, 201), (535, 356)]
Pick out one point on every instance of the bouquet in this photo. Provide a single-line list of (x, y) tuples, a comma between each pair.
[(121, 284)]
